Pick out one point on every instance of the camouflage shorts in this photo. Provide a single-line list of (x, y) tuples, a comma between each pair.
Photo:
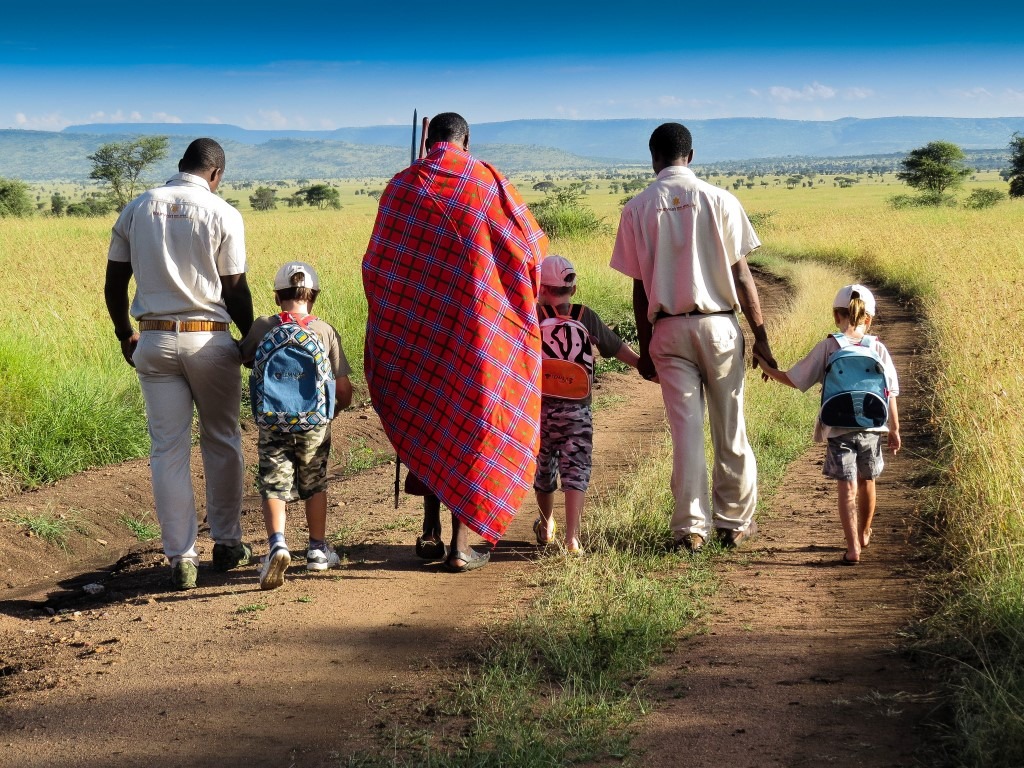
[(566, 446), (294, 466)]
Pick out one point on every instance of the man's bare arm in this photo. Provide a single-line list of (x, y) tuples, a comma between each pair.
[(115, 294), (750, 304), (238, 300)]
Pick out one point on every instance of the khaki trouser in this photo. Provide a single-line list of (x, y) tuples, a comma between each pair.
[(179, 371), (700, 359)]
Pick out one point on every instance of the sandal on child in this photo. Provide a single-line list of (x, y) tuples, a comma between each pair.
[(540, 530), (844, 560)]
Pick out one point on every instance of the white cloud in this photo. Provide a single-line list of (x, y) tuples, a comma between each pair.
[(858, 94), (973, 93), (275, 119), (211, 119), (163, 117), (1012, 94), (785, 95), (51, 122), (570, 112)]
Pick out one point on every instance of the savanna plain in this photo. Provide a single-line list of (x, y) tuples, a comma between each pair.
[(559, 677)]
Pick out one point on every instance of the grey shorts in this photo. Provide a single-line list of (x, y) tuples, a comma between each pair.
[(566, 446), (856, 455), (294, 466)]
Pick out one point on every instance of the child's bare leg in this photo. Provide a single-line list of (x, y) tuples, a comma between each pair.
[(546, 504), (274, 516), (865, 508), (573, 516), (316, 516), (848, 516)]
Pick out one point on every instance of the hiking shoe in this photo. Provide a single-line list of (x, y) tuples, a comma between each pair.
[(733, 539), (691, 542), (184, 574), (228, 556), (274, 566), (321, 560)]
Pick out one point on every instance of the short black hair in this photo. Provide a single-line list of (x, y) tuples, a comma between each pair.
[(670, 141), (447, 126), (201, 155)]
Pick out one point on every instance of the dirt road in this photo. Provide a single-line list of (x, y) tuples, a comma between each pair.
[(798, 666)]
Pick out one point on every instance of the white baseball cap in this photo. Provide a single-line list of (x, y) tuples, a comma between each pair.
[(557, 272), (847, 292), (283, 279)]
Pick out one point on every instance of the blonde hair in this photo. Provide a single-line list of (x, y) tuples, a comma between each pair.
[(856, 314)]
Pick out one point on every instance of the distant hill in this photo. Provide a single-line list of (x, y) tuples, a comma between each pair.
[(737, 138), (514, 146), (42, 155)]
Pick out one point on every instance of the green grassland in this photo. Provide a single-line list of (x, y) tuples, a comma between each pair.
[(68, 401)]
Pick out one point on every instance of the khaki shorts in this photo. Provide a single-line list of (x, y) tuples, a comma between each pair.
[(294, 466), (856, 455)]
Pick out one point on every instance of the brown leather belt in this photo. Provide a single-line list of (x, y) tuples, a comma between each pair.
[(182, 326), (695, 313)]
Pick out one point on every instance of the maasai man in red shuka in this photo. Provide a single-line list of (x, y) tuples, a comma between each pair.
[(452, 352)]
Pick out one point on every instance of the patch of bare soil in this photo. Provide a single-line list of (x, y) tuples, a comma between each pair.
[(802, 665), (799, 666)]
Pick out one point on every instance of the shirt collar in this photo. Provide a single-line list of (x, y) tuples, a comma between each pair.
[(676, 170), (180, 179)]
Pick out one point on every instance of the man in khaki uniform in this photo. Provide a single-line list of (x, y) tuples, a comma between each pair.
[(684, 242), (185, 248)]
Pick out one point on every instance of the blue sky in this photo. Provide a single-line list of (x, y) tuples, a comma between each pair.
[(321, 65)]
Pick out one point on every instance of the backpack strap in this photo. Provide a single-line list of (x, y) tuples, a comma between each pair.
[(302, 322), (844, 341)]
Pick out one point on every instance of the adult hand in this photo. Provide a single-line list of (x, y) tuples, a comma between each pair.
[(763, 351), (128, 348), (646, 367)]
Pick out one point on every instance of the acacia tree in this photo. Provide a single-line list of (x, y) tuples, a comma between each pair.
[(1017, 166), (264, 199), (321, 196), (14, 198), (934, 168), (121, 163)]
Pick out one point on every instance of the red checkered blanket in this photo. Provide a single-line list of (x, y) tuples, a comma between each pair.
[(452, 352)]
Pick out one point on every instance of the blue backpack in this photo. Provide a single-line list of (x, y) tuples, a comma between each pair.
[(291, 384), (854, 394)]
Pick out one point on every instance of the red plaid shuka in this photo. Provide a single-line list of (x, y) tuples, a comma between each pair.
[(452, 352)]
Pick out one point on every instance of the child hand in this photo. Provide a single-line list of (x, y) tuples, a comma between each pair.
[(895, 442)]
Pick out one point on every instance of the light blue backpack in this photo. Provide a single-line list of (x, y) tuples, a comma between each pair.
[(854, 394), (291, 384)]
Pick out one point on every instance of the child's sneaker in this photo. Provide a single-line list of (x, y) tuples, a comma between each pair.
[(274, 566), (321, 560)]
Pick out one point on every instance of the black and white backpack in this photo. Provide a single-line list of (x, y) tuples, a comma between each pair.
[(567, 365)]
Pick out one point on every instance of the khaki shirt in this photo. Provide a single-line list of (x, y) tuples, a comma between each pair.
[(681, 236), (179, 238)]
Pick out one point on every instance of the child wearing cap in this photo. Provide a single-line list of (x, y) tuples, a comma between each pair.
[(853, 457), (293, 465), (566, 425)]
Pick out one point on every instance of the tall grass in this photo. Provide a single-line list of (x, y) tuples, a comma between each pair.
[(964, 268), (564, 682)]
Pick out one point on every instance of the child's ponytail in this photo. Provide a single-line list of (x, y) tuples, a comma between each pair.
[(858, 312)]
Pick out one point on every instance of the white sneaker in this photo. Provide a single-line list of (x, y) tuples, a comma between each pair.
[(274, 566), (319, 560)]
